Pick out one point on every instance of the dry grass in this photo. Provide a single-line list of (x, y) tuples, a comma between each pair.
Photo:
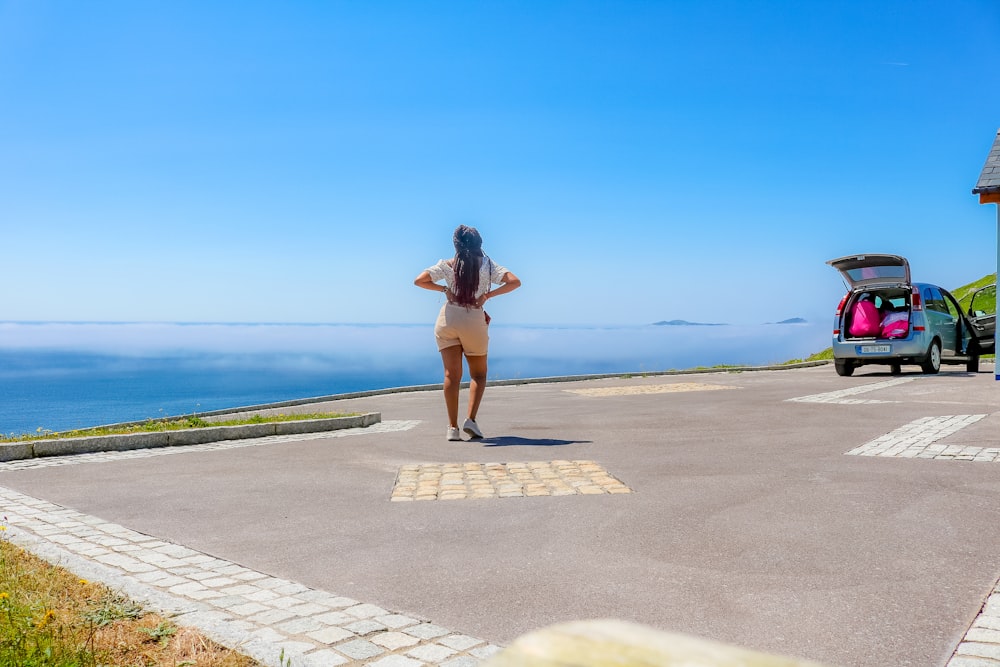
[(49, 617)]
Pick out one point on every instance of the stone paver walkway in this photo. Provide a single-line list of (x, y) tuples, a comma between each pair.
[(980, 647), (275, 621), (919, 439), (461, 481)]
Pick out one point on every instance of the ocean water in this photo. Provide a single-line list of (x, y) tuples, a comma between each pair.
[(60, 376)]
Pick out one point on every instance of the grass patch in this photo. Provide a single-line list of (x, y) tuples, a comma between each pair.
[(158, 425), (821, 355), (964, 293), (52, 618)]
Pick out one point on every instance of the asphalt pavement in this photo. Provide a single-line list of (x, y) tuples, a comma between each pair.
[(850, 521)]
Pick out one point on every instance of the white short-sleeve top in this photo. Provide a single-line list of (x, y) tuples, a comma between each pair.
[(489, 273)]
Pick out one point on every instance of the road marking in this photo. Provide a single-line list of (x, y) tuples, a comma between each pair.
[(649, 389), (473, 481), (842, 396), (102, 457), (257, 614), (919, 439)]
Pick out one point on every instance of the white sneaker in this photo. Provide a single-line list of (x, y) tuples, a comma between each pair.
[(472, 429), (454, 433)]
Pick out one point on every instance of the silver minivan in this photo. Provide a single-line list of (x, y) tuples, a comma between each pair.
[(928, 327)]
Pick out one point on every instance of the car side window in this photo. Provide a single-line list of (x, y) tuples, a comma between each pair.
[(951, 306), (984, 302), (929, 303), (934, 300)]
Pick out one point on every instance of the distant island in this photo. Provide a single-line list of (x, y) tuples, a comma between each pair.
[(685, 323), (793, 320)]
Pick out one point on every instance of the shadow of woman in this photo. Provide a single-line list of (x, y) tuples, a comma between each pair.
[(514, 441)]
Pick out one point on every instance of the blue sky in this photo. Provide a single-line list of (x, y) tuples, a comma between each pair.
[(630, 161)]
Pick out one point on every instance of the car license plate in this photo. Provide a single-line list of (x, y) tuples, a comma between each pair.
[(876, 349)]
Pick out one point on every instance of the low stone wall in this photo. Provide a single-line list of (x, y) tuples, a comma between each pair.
[(194, 436)]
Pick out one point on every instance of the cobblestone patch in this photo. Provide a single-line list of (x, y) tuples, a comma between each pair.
[(465, 481), (649, 389), (844, 396), (980, 647), (261, 616), (919, 439), (101, 457)]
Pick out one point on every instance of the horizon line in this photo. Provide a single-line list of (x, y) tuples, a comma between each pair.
[(659, 323)]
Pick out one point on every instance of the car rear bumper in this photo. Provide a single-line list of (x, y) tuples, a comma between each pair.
[(877, 351)]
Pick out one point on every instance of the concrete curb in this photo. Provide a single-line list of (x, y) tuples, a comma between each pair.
[(195, 436)]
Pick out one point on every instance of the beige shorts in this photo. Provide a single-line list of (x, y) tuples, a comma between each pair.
[(458, 325)]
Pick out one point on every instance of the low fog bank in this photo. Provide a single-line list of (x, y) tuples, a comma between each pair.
[(328, 347)]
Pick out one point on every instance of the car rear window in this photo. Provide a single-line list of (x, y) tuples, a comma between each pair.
[(870, 272), (895, 303)]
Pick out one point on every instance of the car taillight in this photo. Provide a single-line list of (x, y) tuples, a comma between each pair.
[(840, 309), (915, 302), (840, 306)]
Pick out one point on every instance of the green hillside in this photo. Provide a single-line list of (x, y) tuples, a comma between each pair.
[(963, 294)]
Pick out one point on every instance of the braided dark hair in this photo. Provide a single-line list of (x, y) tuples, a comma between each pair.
[(468, 260)]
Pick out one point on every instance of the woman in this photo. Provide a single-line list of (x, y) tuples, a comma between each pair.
[(461, 326)]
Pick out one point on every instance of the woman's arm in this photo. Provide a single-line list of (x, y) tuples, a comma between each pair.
[(508, 283), (425, 281)]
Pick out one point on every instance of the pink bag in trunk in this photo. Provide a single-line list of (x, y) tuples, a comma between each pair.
[(895, 325), (864, 319)]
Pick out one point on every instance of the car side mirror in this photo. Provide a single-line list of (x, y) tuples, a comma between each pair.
[(979, 313)]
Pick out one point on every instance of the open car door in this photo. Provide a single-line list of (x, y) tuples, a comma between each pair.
[(982, 315)]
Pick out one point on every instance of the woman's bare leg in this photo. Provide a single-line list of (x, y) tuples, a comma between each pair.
[(452, 359), (477, 386)]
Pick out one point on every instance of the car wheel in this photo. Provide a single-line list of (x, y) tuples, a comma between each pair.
[(844, 367), (932, 362), (972, 365), (896, 369)]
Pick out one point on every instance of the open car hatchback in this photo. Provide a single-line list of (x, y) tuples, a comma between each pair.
[(887, 319)]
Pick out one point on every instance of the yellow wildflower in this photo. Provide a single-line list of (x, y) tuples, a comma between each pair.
[(4, 595), (49, 615)]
